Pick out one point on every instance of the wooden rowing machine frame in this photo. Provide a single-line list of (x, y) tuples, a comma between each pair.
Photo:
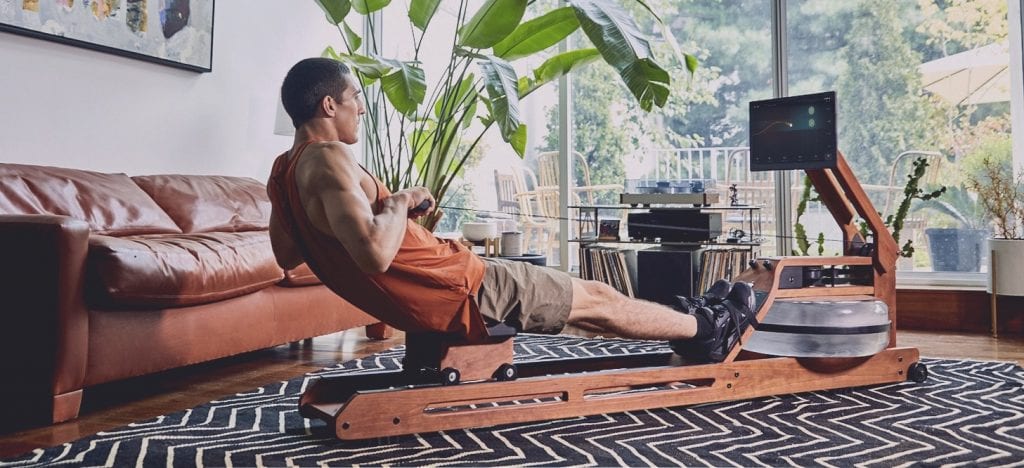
[(362, 406)]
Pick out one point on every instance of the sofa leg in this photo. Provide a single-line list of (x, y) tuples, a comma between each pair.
[(379, 331), (307, 342), (66, 406)]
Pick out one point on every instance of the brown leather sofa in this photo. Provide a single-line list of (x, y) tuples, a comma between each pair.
[(105, 277)]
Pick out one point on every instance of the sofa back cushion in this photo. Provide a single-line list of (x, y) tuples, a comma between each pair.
[(177, 270), (111, 203), (200, 203)]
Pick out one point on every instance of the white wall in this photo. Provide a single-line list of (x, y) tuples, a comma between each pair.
[(72, 107)]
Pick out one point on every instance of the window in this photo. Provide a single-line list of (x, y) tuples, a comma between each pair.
[(701, 133), (899, 101), (494, 185), (916, 81)]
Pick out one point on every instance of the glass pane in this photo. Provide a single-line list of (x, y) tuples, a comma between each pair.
[(699, 136), (922, 85)]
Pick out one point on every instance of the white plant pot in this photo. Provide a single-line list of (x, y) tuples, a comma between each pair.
[(477, 232), (1009, 268)]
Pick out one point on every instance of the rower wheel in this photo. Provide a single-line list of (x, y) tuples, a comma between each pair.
[(917, 372), (449, 376), (506, 372)]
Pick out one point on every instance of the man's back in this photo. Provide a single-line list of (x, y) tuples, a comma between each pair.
[(323, 201)]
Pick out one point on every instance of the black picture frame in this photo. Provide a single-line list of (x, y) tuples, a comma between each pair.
[(113, 22)]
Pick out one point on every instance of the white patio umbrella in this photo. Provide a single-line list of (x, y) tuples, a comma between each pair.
[(975, 76)]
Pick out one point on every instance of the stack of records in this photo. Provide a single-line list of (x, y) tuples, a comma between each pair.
[(721, 264), (610, 265)]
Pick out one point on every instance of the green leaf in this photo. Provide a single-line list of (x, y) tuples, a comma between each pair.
[(405, 88), (688, 60), (625, 48), (422, 11), (369, 67), (456, 99), (502, 88), (330, 53), (421, 142), (538, 34), (365, 7), (354, 41), (555, 67), (467, 120), (492, 23), (518, 140), (336, 10), (691, 63)]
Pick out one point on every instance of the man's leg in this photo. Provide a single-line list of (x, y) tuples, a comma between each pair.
[(600, 308)]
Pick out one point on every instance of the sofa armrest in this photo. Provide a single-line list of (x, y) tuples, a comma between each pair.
[(44, 326)]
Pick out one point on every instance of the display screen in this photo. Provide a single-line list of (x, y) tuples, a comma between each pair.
[(796, 132)]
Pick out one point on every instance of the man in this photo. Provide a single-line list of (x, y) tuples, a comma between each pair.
[(364, 244)]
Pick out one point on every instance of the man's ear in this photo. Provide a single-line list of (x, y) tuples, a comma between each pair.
[(328, 106)]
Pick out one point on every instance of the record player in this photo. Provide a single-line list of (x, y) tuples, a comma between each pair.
[(697, 192)]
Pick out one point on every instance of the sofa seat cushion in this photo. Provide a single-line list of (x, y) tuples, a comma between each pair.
[(176, 270), (207, 203), (111, 203)]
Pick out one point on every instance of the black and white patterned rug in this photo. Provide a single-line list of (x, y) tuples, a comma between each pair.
[(967, 413)]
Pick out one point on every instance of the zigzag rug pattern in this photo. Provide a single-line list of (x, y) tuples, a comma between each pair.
[(967, 413)]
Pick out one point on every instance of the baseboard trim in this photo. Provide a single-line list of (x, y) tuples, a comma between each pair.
[(956, 310)]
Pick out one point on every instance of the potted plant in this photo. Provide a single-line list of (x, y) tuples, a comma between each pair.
[(911, 191), (1002, 197), (424, 137), (959, 245)]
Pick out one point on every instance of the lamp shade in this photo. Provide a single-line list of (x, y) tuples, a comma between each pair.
[(283, 123)]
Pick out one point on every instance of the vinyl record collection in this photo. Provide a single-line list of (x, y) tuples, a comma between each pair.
[(721, 263), (610, 265)]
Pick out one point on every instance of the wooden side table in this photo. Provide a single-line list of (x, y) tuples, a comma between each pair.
[(492, 246)]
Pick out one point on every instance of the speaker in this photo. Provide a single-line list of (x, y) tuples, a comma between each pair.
[(666, 272)]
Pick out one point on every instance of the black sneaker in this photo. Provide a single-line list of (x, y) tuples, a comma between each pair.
[(714, 295), (742, 294), (730, 318), (699, 350)]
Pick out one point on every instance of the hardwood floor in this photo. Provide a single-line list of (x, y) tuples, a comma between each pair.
[(121, 403)]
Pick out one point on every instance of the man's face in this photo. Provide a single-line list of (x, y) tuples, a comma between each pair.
[(349, 112)]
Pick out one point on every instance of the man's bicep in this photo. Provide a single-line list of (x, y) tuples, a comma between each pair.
[(345, 205), (348, 215)]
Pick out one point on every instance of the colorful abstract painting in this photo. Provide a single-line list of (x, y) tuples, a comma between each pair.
[(172, 32)]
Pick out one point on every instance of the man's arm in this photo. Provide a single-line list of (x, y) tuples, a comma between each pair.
[(371, 240), (285, 251)]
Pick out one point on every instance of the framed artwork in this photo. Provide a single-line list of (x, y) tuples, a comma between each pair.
[(178, 33)]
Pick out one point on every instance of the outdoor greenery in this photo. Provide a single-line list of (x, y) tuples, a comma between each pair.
[(999, 192), (417, 134), (867, 50)]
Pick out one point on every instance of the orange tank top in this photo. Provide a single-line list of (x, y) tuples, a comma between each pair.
[(429, 287)]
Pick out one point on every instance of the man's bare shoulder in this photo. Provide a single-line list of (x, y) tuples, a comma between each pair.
[(328, 164)]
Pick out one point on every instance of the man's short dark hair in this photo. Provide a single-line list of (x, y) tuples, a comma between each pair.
[(306, 85)]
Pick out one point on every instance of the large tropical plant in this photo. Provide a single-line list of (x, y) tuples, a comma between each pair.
[(421, 137)]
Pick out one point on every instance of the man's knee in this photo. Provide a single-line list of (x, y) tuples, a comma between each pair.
[(603, 292), (600, 302)]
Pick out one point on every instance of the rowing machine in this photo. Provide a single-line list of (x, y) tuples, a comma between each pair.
[(420, 398)]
